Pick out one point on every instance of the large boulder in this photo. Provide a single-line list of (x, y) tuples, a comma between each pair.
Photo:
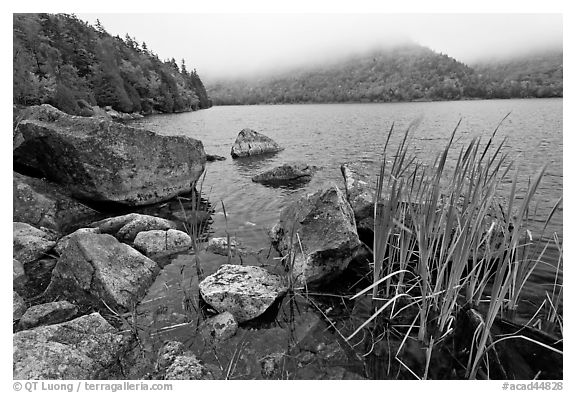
[(101, 160), (251, 143), (84, 348), (360, 193), (97, 267), (125, 228), (29, 243), (286, 174), (157, 241), (40, 203), (318, 234), (47, 314), (244, 291)]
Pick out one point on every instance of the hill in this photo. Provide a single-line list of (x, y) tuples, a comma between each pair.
[(404, 73), (61, 60), (531, 75)]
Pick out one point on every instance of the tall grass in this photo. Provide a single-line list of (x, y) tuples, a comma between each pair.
[(443, 238)]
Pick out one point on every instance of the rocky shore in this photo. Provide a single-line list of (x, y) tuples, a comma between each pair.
[(103, 216), (78, 266)]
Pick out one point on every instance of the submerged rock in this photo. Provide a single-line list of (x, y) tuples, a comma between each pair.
[(244, 291), (214, 157), (251, 143), (219, 245), (168, 353), (219, 327), (48, 314), (29, 243), (96, 267), (318, 230), (40, 203), (287, 173), (152, 242), (84, 348), (125, 228), (102, 160)]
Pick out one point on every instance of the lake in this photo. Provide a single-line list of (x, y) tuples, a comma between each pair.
[(328, 135)]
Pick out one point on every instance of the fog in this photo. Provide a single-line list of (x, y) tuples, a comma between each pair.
[(231, 45)]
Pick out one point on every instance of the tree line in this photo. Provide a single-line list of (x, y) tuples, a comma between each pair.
[(405, 73), (63, 61)]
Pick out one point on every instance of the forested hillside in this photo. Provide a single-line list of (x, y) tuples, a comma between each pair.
[(534, 75), (404, 73), (64, 61)]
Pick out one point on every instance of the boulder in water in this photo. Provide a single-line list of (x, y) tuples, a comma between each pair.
[(360, 192), (105, 161), (218, 328), (318, 232), (244, 291), (250, 143), (156, 241), (286, 174), (214, 157)]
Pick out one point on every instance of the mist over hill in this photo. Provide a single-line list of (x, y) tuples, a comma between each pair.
[(408, 72)]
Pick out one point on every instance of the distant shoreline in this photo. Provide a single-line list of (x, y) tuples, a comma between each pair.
[(386, 102)]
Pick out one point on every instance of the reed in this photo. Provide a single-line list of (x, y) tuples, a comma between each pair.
[(443, 239)]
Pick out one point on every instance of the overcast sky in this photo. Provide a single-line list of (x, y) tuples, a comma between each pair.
[(228, 45)]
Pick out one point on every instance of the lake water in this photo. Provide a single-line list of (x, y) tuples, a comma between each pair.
[(331, 134)]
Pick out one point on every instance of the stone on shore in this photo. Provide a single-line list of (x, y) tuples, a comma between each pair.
[(29, 243), (244, 291), (319, 231), (95, 268), (101, 160), (63, 241), (125, 228), (286, 174), (156, 241), (250, 143), (47, 314), (84, 348), (43, 204)]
